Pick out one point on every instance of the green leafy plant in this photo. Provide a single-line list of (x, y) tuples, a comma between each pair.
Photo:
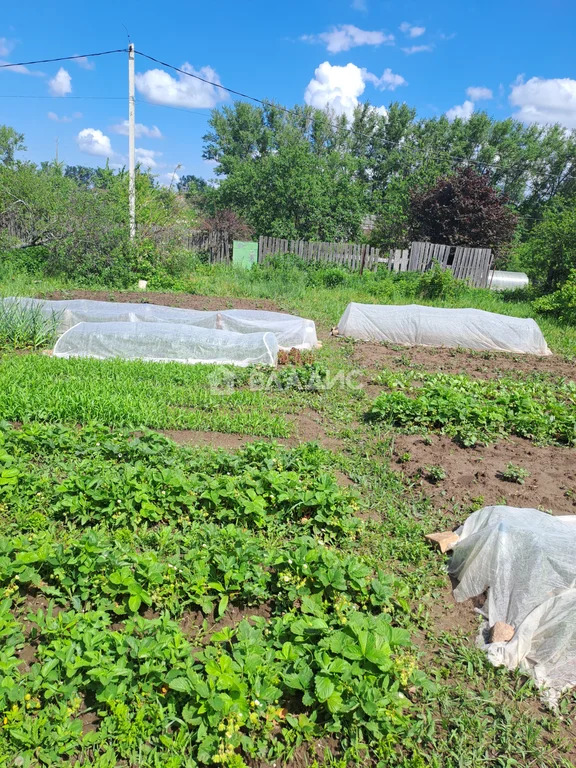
[(514, 474)]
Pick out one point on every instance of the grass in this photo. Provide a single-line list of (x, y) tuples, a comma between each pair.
[(129, 566), (132, 394)]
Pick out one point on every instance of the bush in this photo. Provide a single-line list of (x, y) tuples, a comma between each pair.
[(561, 303), (439, 283)]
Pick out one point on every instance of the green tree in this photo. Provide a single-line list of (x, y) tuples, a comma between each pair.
[(549, 253), (10, 142)]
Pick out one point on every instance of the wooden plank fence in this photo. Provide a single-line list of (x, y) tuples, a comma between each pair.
[(351, 255), (471, 264)]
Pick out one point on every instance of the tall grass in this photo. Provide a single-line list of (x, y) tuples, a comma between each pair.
[(25, 327)]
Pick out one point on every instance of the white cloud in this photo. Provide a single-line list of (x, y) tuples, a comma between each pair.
[(359, 5), (168, 179), (61, 83), (6, 46), (479, 93), (147, 157), (411, 31), (93, 142), (545, 101), (388, 82), (85, 62), (418, 49), (346, 36), (339, 88), (462, 111), (64, 118), (161, 88), (335, 87), (21, 70), (140, 130)]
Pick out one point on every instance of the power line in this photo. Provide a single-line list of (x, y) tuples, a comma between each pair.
[(21, 96), (62, 58)]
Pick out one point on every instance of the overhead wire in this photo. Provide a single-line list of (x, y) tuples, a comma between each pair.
[(62, 58)]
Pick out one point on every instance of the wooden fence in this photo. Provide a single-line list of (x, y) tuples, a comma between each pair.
[(471, 264), (349, 255)]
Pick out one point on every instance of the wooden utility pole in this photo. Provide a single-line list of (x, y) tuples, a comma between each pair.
[(131, 163)]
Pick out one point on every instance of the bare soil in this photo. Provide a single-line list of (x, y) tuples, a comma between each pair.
[(308, 427), (183, 300), (483, 365), (473, 475)]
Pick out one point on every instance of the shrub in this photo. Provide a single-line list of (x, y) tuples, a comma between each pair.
[(561, 303), (439, 283)]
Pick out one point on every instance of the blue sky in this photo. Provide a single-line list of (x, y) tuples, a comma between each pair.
[(507, 57)]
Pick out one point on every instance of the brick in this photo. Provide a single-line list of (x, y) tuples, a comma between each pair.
[(445, 540), (501, 632)]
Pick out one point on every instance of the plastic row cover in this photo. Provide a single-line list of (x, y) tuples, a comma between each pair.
[(163, 342), (526, 560), (290, 331), (412, 324)]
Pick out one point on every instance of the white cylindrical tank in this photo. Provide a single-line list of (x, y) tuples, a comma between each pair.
[(500, 280)]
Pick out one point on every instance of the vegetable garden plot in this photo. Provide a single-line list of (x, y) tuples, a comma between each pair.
[(162, 342), (526, 559), (290, 330), (413, 324)]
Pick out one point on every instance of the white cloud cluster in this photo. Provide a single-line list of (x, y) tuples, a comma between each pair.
[(84, 62), (466, 110), (147, 157), (479, 93), (412, 49), (410, 30), (61, 83), (339, 88), (21, 70), (388, 82), (346, 36), (140, 130), (64, 118), (545, 101), (158, 87), (93, 142), (461, 111)]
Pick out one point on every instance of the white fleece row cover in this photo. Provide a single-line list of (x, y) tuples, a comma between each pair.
[(412, 324), (164, 342), (526, 559), (289, 330)]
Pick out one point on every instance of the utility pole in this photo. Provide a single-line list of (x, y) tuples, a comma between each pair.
[(131, 118), (56, 150)]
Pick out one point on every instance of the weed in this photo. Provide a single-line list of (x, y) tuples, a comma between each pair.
[(435, 473), (514, 474)]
